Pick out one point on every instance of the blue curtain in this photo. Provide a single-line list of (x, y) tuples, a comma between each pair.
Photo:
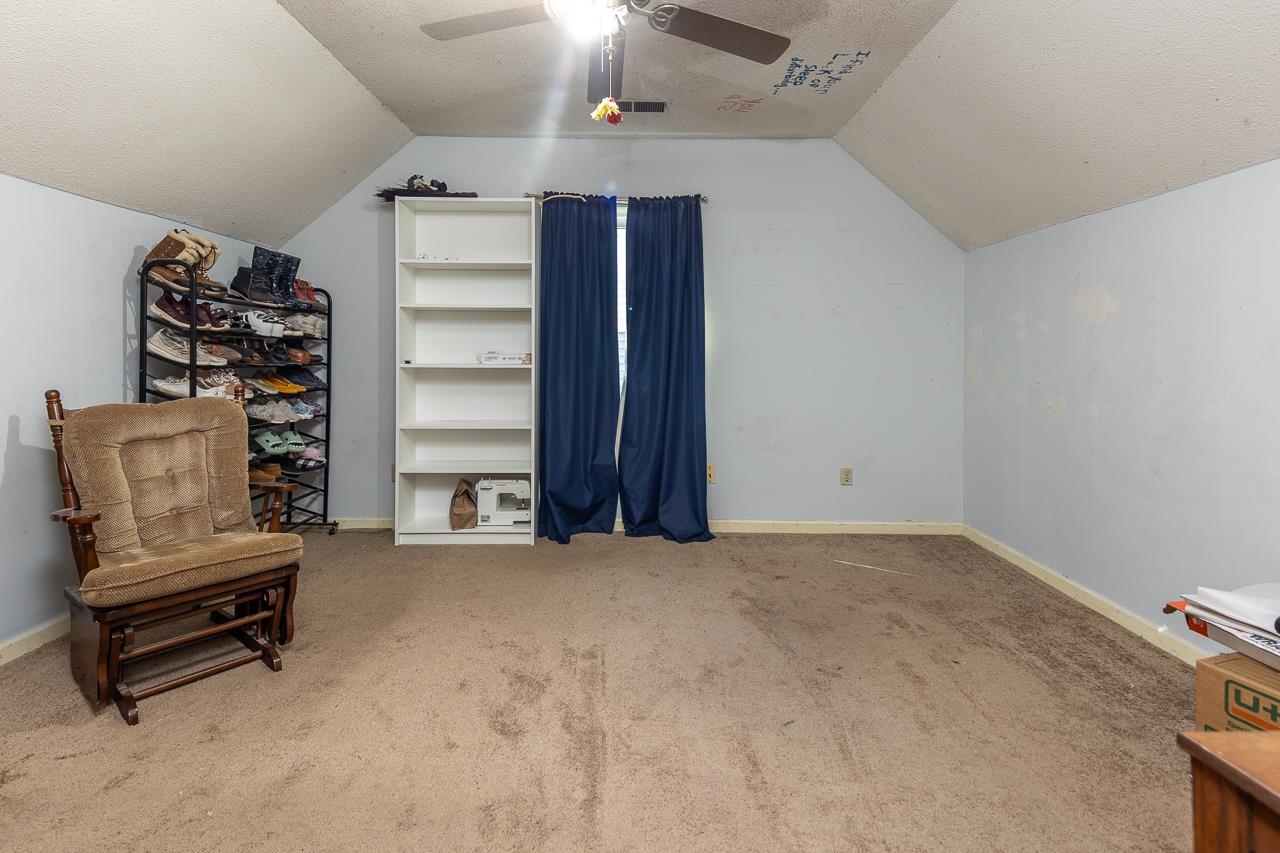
[(578, 367), (662, 458)]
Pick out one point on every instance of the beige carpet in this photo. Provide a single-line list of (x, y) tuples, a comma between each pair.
[(622, 694)]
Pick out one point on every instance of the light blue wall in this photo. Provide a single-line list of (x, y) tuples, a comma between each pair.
[(1138, 455), (69, 324), (834, 318)]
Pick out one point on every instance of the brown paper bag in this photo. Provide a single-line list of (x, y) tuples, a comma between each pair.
[(462, 509)]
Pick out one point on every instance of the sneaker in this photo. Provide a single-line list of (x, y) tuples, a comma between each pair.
[(179, 387), (302, 376), (260, 411), (301, 408), (264, 323), (170, 310), (223, 383), (285, 413), (304, 324), (168, 344)]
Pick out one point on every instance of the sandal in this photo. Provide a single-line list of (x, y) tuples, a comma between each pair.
[(271, 443), (293, 441)]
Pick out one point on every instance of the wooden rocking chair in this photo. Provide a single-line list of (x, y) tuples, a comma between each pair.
[(167, 485)]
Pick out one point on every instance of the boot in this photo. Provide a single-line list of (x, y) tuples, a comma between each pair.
[(173, 277), (207, 252), (281, 270)]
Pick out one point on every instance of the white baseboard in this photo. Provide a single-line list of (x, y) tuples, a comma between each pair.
[(862, 528), (365, 523), (34, 639), (1156, 635)]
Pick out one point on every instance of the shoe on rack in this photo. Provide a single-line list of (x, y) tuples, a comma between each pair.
[(172, 276), (264, 323), (180, 387), (259, 474), (207, 251), (254, 286), (304, 291), (317, 408), (287, 414), (260, 385), (244, 355), (222, 383), (219, 318), (226, 351), (260, 411), (281, 269), (304, 410), (169, 344), (170, 309), (284, 386), (298, 355), (302, 376), (304, 324)]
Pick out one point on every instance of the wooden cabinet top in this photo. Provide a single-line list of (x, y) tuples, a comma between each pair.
[(1249, 760)]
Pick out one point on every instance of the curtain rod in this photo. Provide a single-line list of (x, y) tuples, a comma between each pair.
[(699, 196)]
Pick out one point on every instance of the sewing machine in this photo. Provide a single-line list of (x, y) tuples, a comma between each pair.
[(502, 502)]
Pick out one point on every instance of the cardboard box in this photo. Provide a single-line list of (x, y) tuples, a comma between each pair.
[(1234, 692)]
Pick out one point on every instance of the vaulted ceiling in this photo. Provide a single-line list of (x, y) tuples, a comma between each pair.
[(990, 117)]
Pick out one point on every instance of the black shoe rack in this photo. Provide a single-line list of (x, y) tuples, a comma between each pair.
[(309, 505)]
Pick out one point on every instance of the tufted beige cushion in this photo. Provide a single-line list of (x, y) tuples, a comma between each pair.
[(172, 485), (144, 573), (161, 473)]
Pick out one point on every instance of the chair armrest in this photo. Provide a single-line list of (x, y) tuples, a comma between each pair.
[(75, 517), (84, 544)]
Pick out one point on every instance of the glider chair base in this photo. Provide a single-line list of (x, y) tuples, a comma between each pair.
[(256, 610)]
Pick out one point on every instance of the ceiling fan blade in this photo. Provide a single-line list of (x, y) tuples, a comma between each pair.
[(598, 87), (721, 33), (485, 22)]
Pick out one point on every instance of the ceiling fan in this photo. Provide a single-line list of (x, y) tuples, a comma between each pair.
[(606, 20)]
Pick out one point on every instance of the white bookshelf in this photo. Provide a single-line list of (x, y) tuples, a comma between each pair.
[(474, 290)]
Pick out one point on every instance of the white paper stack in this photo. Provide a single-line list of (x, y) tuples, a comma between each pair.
[(1246, 619)]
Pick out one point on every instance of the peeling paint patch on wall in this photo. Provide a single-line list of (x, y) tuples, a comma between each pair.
[(1056, 407), (1096, 305)]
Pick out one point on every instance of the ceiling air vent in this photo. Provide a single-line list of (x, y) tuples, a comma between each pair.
[(658, 107)]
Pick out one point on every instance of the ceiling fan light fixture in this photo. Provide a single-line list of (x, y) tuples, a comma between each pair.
[(586, 20)]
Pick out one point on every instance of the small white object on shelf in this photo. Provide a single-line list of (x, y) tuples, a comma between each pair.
[(494, 357)]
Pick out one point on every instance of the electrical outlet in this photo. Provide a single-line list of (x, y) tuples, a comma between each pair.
[(846, 476), (711, 475)]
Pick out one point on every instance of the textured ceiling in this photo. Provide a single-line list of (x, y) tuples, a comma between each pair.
[(1009, 116), (531, 80), (990, 117), (224, 113)]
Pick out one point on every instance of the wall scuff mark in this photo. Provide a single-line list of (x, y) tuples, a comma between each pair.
[(1096, 305)]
